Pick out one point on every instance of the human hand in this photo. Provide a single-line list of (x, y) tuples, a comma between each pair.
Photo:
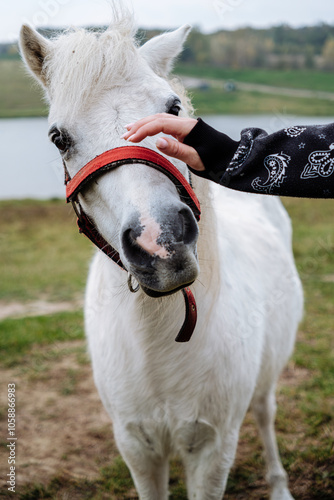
[(177, 127)]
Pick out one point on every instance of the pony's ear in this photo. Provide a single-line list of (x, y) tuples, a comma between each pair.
[(34, 48), (161, 50)]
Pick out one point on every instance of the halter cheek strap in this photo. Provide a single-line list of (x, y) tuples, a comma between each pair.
[(110, 160)]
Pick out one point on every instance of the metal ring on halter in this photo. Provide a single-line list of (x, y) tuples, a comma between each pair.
[(133, 290), (77, 208)]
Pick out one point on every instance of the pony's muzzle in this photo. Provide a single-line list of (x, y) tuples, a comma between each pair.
[(162, 255)]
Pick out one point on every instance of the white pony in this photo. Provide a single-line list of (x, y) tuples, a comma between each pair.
[(164, 397)]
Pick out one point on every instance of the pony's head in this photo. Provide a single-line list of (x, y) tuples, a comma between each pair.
[(95, 84)]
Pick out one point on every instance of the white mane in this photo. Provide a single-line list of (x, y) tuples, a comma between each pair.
[(82, 60)]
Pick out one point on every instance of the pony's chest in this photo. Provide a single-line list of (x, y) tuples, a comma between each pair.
[(187, 436), (171, 393)]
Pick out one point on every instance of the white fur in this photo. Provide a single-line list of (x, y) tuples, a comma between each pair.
[(164, 397)]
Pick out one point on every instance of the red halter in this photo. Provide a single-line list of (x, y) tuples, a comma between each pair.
[(110, 160)]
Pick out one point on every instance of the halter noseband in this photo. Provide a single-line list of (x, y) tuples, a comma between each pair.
[(110, 160)]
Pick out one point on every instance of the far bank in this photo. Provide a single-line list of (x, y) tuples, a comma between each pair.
[(20, 97)]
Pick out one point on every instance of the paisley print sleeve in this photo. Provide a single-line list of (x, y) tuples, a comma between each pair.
[(295, 161)]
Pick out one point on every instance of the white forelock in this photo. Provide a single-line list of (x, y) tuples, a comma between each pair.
[(81, 60)]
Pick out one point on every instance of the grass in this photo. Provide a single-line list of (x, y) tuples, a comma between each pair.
[(39, 239), (220, 102), (21, 336), (42, 254), (298, 79), (106, 487), (20, 96), (215, 101)]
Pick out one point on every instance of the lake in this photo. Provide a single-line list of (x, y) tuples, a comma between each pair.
[(31, 167)]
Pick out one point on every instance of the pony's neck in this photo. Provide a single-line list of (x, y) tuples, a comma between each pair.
[(207, 246)]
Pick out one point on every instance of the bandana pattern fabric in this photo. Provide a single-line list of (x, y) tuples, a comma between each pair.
[(295, 161)]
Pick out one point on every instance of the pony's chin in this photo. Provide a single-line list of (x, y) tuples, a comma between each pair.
[(156, 294)]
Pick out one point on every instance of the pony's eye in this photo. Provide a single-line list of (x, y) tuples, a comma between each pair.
[(60, 143), (175, 108), (60, 139)]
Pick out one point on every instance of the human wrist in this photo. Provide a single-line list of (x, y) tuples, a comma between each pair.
[(215, 148)]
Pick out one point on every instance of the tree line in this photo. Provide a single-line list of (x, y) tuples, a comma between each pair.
[(279, 47)]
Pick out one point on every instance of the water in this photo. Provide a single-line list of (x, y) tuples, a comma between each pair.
[(30, 165)]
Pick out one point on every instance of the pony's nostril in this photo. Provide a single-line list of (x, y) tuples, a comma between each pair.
[(189, 226), (134, 252)]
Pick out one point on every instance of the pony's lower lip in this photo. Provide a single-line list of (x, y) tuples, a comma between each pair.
[(156, 294)]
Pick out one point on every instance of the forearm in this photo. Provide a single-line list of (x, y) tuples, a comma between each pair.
[(296, 161)]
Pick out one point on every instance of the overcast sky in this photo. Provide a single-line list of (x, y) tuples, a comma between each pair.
[(209, 15)]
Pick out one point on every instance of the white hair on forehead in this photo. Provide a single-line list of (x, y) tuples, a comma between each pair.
[(181, 91), (82, 64), (82, 61)]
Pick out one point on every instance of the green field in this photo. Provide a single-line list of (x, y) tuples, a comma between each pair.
[(297, 79), (43, 256), (215, 101), (41, 252), (20, 95)]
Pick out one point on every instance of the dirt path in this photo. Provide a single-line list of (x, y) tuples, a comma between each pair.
[(191, 82), (36, 308)]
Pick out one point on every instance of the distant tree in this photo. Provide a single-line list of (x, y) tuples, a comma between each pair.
[(309, 57), (328, 54), (245, 48)]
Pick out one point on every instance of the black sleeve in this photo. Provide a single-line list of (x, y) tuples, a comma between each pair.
[(295, 161)]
